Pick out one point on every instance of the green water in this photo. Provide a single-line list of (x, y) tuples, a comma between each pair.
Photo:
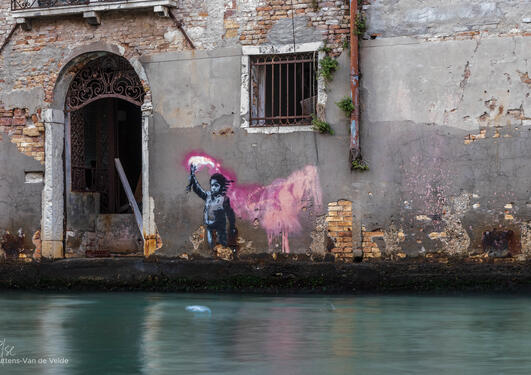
[(144, 333)]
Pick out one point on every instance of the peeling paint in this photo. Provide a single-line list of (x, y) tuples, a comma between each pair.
[(12, 245), (393, 237), (36, 239), (321, 243), (198, 237)]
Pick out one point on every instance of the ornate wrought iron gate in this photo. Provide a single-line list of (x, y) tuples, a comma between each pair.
[(98, 173)]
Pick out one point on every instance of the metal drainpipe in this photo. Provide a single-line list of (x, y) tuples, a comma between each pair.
[(355, 150)]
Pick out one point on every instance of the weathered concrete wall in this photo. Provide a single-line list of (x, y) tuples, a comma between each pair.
[(20, 201), (446, 130), (198, 111), (445, 133), (429, 18)]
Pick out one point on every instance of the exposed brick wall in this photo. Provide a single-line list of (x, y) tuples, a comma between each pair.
[(249, 22), (34, 58), (339, 229), (24, 130), (332, 17)]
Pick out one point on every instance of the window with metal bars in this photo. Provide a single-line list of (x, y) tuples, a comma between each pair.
[(283, 89)]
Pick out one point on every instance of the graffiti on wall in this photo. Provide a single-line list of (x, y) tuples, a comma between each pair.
[(276, 207), (217, 207)]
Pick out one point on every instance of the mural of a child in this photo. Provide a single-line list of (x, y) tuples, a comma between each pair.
[(217, 208)]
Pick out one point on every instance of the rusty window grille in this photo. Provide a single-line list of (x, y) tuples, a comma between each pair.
[(283, 89)]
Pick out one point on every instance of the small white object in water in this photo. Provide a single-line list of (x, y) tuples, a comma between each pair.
[(198, 309), (332, 307)]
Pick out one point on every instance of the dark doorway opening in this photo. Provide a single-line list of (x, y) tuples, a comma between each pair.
[(100, 132)]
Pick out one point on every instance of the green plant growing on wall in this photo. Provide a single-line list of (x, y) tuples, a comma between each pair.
[(346, 105), (346, 43), (325, 49), (361, 24), (359, 164), (315, 4), (327, 67), (322, 126)]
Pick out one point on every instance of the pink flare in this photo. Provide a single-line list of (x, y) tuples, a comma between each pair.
[(213, 165), (200, 162)]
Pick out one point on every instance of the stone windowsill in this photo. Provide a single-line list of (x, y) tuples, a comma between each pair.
[(93, 7)]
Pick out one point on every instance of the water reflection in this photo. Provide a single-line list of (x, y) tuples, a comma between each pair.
[(154, 334)]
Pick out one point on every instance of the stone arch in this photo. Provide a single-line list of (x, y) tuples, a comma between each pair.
[(56, 127)]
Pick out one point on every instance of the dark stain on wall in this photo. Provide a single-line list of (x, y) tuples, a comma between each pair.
[(501, 243), (12, 244)]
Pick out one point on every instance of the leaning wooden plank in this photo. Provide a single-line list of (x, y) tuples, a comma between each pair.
[(130, 196)]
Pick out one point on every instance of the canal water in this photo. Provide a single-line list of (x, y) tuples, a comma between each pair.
[(146, 333)]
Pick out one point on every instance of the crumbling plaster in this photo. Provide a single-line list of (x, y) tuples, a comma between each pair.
[(444, 82), (443, 120), (426, 18)]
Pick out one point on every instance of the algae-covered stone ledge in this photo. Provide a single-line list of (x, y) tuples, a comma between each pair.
[(279, 277)]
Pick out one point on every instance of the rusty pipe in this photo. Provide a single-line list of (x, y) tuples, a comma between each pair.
[(355, 150)]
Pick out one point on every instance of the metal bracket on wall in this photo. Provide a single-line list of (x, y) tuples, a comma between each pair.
[(92, 18), (8, 37), (179, 25)]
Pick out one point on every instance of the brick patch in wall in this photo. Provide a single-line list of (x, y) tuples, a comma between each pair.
[(339, 228), (24, 130), (332, 18), (369, 247)]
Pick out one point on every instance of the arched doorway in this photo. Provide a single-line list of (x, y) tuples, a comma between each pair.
[(102, 131), (103, 124)]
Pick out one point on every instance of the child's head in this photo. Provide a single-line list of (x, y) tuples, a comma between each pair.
[(219, 184)]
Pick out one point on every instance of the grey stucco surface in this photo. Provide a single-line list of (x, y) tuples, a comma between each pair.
[(20, 202), (195, 88), (285, 30), (32, 99)]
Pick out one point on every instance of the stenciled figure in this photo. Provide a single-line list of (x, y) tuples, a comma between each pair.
[(217, 208)]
